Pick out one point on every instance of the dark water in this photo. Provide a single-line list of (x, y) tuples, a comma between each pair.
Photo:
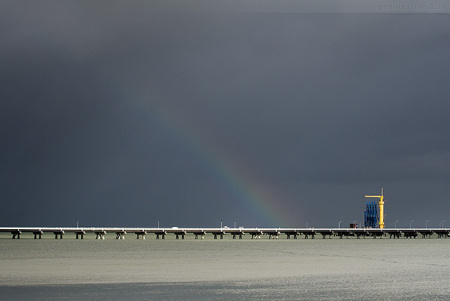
[(309, 288), (347, 269)]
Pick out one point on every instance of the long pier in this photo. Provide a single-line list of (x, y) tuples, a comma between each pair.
[(236, 233)]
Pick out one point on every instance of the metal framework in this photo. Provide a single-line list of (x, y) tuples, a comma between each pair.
[(371, 215)]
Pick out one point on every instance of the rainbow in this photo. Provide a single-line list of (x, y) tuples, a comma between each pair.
[(246, 192)]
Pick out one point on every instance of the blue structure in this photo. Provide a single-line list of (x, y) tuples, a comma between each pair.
[(371, 215)]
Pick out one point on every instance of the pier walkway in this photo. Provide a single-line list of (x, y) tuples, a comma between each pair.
[(236, 233)]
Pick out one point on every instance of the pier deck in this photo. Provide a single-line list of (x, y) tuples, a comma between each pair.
[(219, 233)]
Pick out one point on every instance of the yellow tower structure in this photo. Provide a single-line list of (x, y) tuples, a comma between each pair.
[(381, 205)]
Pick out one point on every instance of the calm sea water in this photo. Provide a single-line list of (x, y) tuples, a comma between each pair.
[(319, 269)]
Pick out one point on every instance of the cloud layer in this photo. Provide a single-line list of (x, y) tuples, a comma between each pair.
[(117, 115)]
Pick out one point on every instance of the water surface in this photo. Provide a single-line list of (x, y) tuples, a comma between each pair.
[(330, 269)]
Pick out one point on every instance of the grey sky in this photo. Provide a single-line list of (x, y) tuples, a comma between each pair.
[(117, 114)]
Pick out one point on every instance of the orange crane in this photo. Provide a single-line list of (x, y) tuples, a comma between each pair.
[(381, 205)]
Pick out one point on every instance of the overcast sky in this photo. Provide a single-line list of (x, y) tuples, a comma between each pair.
[(115, 114)]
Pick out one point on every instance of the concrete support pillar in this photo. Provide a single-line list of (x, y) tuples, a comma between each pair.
[(394, 235), (218, 234), (100, 235), (140, 235)]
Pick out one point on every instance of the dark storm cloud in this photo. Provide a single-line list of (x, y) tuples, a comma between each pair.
[(322, 108)]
